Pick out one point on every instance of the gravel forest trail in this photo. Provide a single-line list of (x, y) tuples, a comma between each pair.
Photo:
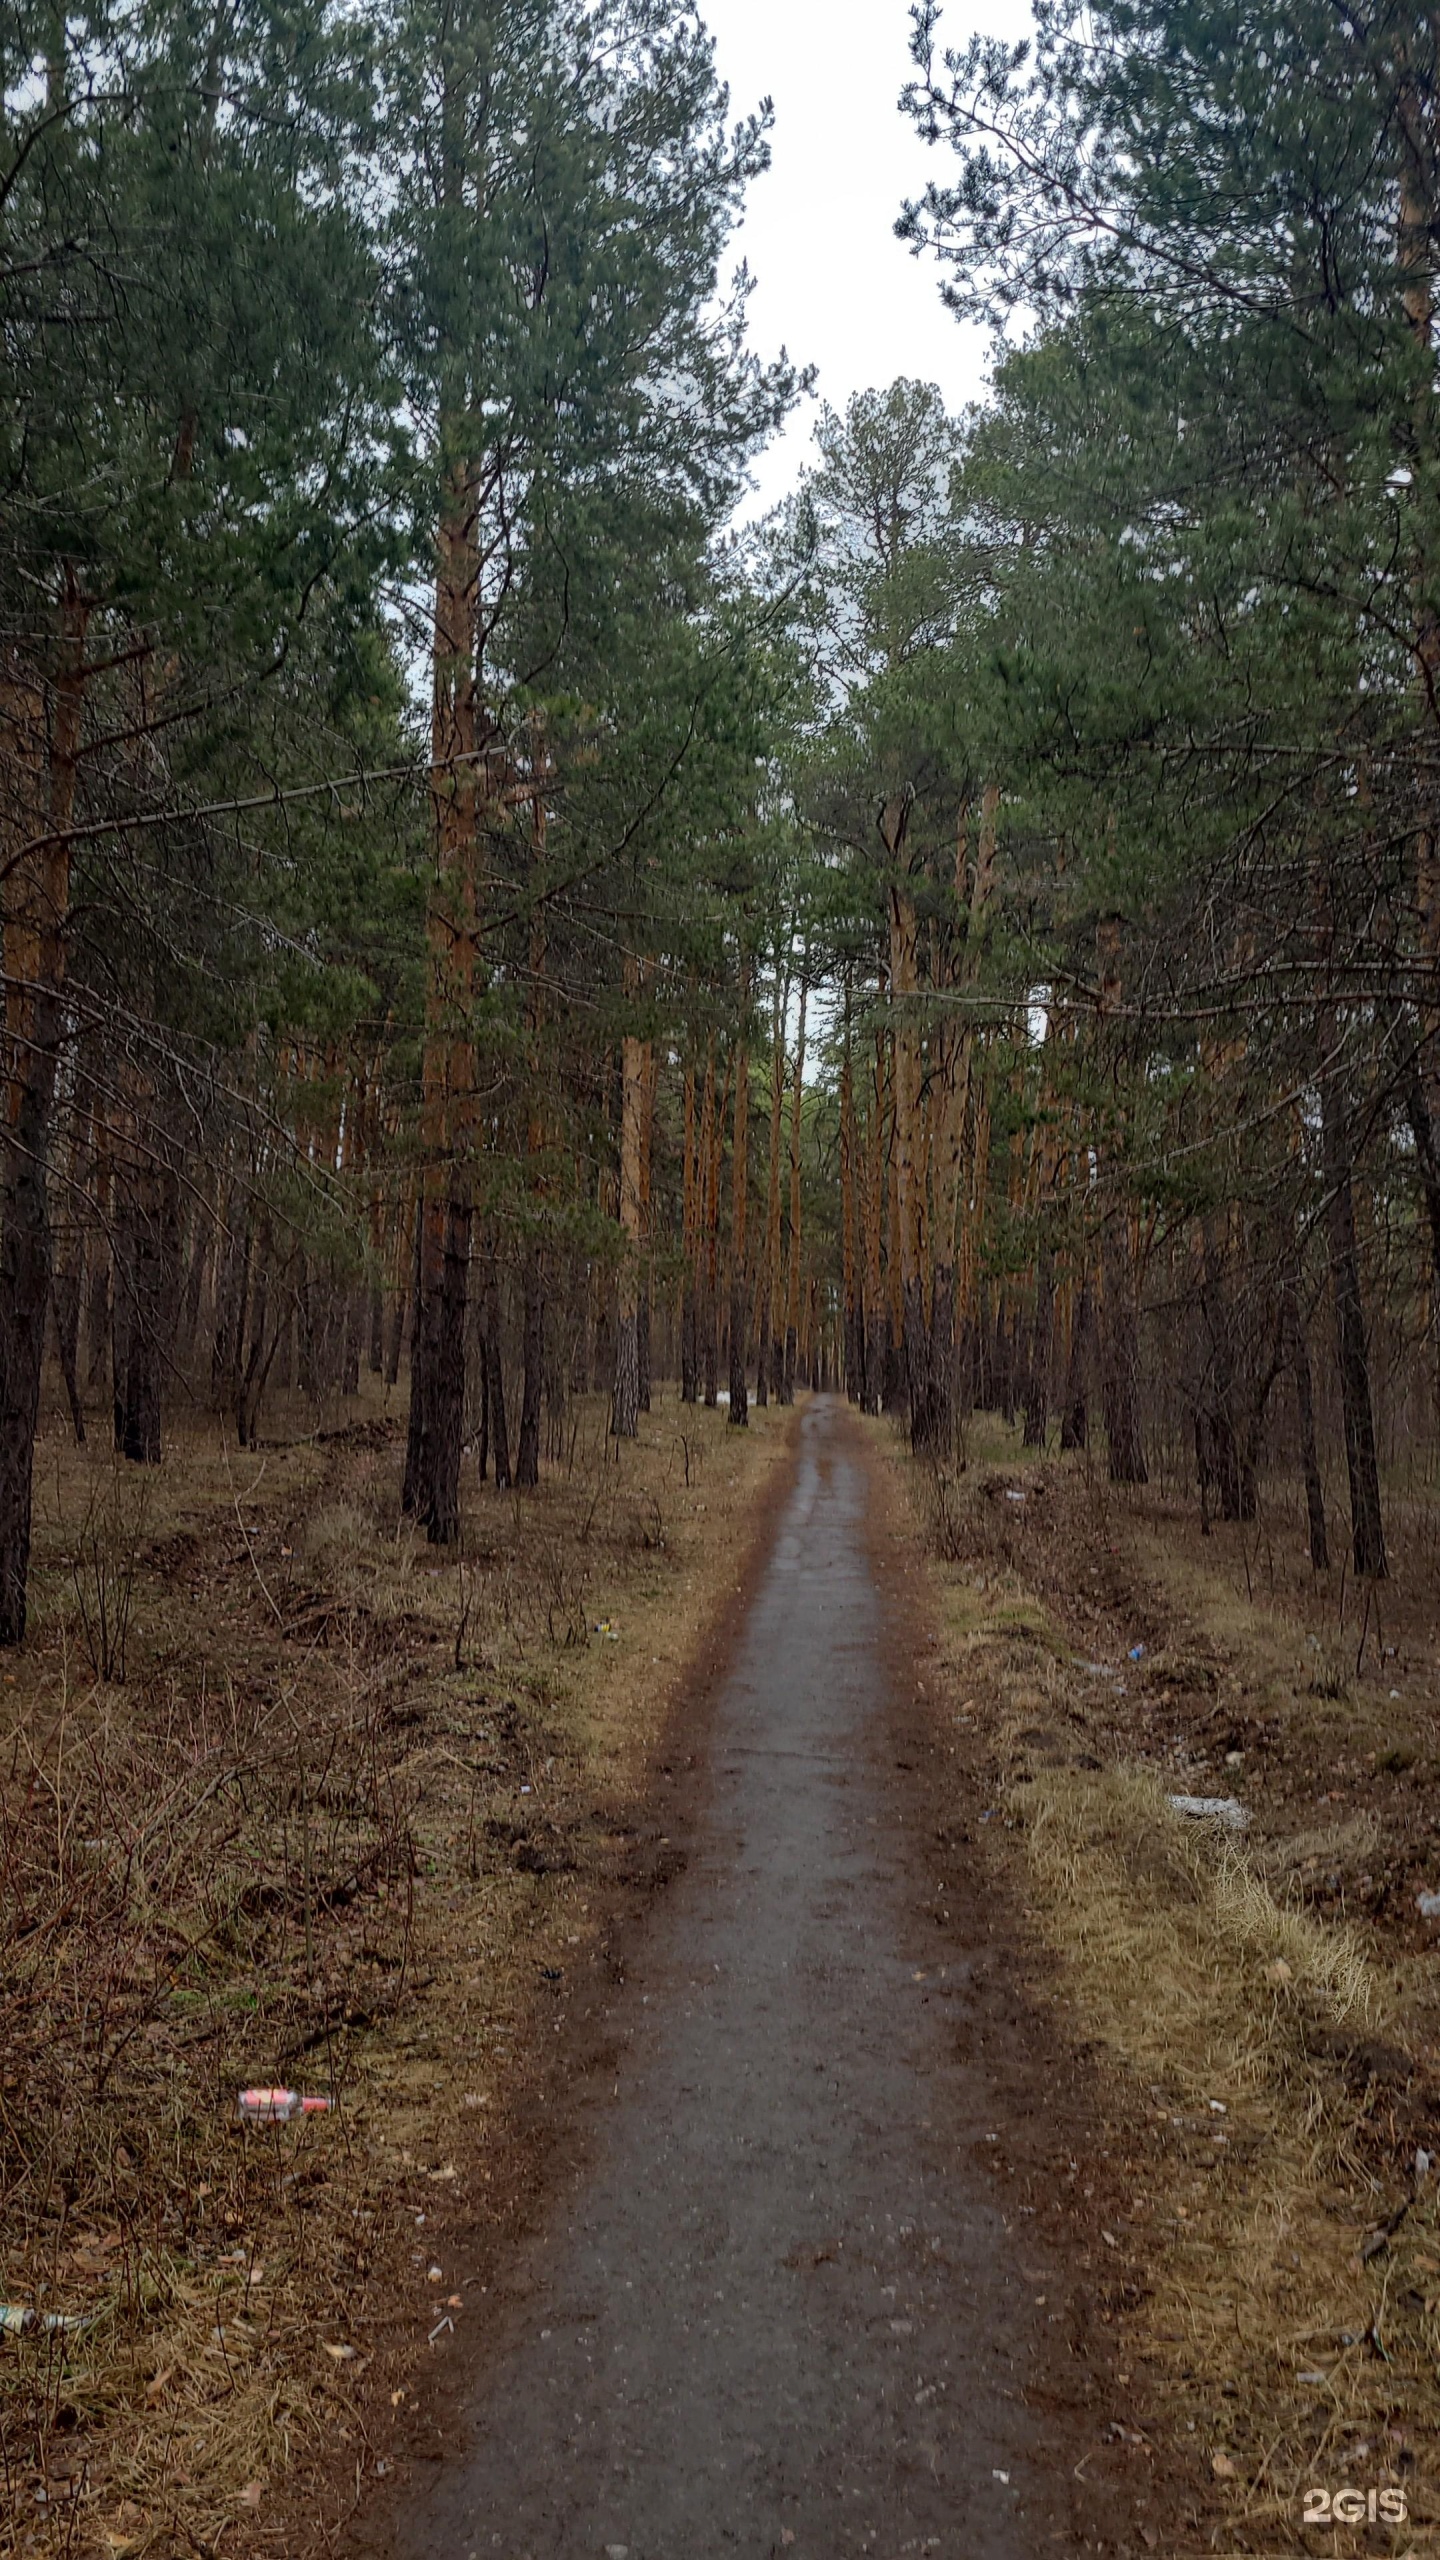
[(779, 2306)]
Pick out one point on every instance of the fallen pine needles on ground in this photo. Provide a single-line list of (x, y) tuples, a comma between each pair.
[(1264, 2016), (345, 1825)]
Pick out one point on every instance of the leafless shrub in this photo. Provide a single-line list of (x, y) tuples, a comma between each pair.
[(103, 1563), (565, 1585), (947, 1501)]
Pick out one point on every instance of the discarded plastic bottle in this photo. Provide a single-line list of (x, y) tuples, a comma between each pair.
[(19, 2320), (277, 2106)]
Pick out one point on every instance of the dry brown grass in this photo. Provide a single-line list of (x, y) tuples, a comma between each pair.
[(1217, 1996), (340, 1824), (1261, 2025)]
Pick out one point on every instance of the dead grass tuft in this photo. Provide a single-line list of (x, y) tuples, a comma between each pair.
[(1184, 1958)]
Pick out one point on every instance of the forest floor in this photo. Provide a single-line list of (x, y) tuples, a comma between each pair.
[(1261, 2006), (288, 1797), (387, 1825)]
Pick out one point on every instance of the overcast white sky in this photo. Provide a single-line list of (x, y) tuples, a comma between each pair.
[(833, 284)]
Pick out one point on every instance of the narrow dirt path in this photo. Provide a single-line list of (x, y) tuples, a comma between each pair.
[(780, 2307)]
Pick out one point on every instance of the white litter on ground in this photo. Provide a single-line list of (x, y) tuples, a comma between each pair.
[(1222, 1809)]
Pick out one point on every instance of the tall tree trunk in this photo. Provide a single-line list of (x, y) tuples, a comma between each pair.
[(1222, 1448), (872, 1213), (1292, 1335), (1075, 1415), (739, 1205), (1419, 212), (1120, 1354), (712, 1237), (909, 1166), (65, 1296), (437, 1366), (770, 1268), (625, 1411), (437, 1352), (265, 1337), (1002, 1357), (375, 1312), (796, 1241), (1037, 1382), (352, 1334), (139, 1330), (647, 1158), (232, 1295), (97, 1321), (404, 1288), (67, 1290), (644, 1380), (690, 1226), (1427, 1158), (532, 1319), (312, 1319), (201, 1240), (1366, 1519), (894, 1390), (970, 1289), (37, 900), (349, 1168), (495, 1382), (97, 1309), (706, 1256), (954, 1070), (853, 1322), (1119, 1335), (482, 1356), (532, 1357)]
